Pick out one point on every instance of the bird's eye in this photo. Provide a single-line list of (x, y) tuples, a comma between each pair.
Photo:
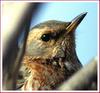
[(45, 37)]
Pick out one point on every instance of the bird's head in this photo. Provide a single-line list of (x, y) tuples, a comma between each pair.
[(53, 39)]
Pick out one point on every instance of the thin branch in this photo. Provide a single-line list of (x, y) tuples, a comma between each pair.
[(84, 79), (22, 19)]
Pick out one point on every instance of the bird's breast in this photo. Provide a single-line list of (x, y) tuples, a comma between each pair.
[(43, 76)]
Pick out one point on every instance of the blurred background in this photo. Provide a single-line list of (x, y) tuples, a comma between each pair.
[(86, 33)]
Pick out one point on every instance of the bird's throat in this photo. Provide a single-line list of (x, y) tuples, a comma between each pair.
[(45, 75)]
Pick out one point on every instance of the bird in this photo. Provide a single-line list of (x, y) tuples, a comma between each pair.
[(50, 56)]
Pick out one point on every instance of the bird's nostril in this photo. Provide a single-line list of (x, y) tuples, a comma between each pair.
[(68, 23)]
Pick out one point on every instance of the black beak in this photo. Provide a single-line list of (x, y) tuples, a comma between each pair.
[(75, 22)]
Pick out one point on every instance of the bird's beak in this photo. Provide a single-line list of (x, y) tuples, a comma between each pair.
[(75, 22)]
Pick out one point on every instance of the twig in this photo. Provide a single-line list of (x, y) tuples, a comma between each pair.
[(11, 65), (83, 79)]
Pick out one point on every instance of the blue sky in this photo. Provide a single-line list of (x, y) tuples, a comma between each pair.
[(86, 33)]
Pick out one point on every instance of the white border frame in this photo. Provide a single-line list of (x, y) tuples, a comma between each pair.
[(57, 2)]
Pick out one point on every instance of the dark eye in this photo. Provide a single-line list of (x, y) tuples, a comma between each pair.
[(45, 37)]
